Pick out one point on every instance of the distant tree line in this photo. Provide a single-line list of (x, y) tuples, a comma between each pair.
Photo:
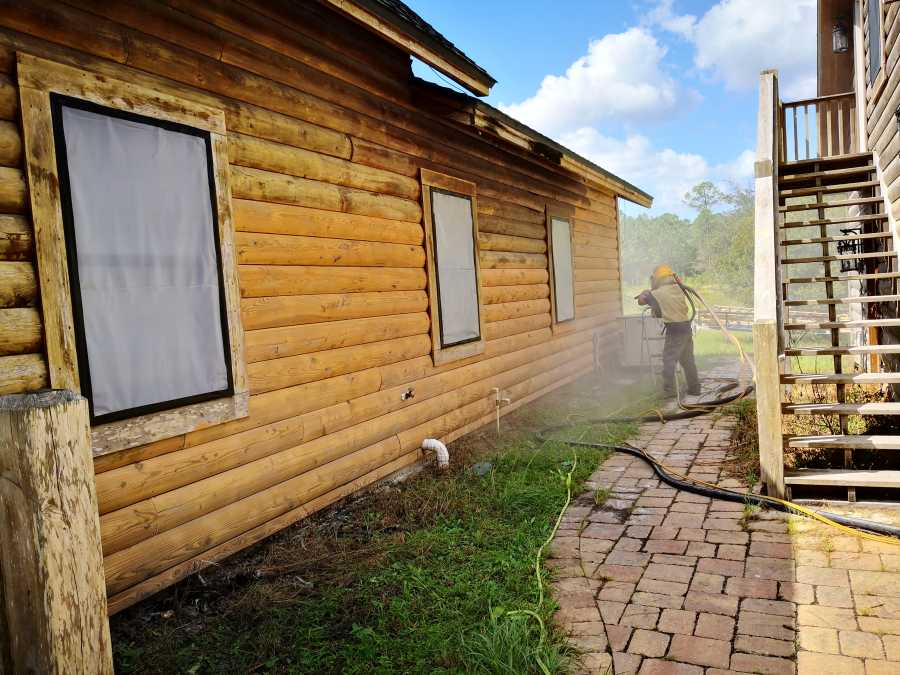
[(713, 251)]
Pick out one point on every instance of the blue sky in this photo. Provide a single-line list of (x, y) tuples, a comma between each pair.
[(661, 92)]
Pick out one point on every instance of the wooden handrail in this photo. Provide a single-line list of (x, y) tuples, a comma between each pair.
[(817, 99), (830, 130)]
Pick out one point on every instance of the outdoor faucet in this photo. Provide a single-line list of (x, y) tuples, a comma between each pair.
[(500, 401)]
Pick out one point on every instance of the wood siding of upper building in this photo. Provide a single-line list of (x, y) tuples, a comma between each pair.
[(881, 107), (327, 135)]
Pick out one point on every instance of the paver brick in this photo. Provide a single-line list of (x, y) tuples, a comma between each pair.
[(856, 561), (640, 616), (701, 549), (874, 667), (732, 552), (802, 594), (657, 600), (778, 569), (700, 651), (764, 646), (631, 558), (694, 520), (677, 621), (626, 544), (770, 550), (821, 640), (585, 628), (714, 626), (766, 625), (600, 531), (625, 663), (752, 588), (728, 568), (660, 667), (707, 583), (892, 647), (692, 534), (673, 546), (875, 583), (648, 643), (618, 637), (610, 610), (826, 617), (724, 537), (766, 665), (711, 602), (676, 573), (822, 576), (618, 591), (779, 607), (873, 624), (833, 596), (812, 663), (664, 587), (664, 533), (856, 643), (618, 572)]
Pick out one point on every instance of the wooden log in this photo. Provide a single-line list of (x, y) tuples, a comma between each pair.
[(293, 370), (286, 249), (22, 372), (9, 99), (255, 121), (375, 155), (583, 263), (594, 286), (16, 238), (129, 526), (493, 260), (275, 343), (20, 331), (582, 274), (13, 193), (499, 294), (275, 187), (52, 585), (272, 280), (10, 144), (513, 277), (261, 154), (499, 225), (501, 242), (294, 310), (172, 575), (250, 216), (499, 329), (515, 310), (18, 284)]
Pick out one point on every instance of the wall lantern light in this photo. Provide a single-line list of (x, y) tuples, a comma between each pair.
[(840, 37)]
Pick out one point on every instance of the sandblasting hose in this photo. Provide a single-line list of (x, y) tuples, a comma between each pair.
[(860, 527)]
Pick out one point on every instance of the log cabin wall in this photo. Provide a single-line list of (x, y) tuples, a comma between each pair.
[(883, 99), (327, 134)]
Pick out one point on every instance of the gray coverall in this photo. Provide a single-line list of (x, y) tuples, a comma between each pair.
[(668, 301)]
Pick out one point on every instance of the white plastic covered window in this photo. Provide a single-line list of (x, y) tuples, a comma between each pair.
[(144, 264), (457, 280), (875, 46), (563, 281)]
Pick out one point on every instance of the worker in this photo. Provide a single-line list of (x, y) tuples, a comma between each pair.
[(669, 302)]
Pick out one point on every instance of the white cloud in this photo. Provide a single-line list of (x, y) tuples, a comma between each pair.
[(736, 39), (663, 172), (618, 79)]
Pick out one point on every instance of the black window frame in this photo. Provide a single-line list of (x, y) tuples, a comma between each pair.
[(437, 272), (57, 103)]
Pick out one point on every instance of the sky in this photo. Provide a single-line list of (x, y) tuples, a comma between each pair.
[(662, 93)]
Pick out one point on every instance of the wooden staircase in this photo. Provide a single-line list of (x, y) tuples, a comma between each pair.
[(823, 245)]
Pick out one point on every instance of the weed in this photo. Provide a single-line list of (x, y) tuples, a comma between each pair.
[(600, 496), (747, 514)]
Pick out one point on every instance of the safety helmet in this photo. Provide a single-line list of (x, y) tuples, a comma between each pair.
[(660, 273)]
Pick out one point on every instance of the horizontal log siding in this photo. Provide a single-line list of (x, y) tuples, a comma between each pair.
[(22, 363), (881, 123), (326, 143)]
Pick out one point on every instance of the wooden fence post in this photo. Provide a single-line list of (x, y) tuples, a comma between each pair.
[(52, 592), (768, 340)]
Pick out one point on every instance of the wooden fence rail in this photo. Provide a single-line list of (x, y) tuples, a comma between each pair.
[(818, 127)]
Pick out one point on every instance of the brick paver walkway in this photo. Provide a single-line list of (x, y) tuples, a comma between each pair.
[(659, 581)]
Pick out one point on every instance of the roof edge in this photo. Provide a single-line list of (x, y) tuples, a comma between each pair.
[(567, 158), (417, 42)]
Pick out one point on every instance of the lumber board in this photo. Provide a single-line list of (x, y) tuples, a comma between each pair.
[(287, 249), (22, 373), (18, 284), (283, 280), (264, 217), (274, 343), (270, 312)]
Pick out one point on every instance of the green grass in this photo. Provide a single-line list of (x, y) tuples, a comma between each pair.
[(712, 344), (424, 583)]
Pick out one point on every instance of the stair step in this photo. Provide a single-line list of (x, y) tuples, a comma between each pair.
[(835, 221), (860, 442), (835, 258), (864, 323), (814, 206), (843, 477), (862, 299), (841, 408), (824, 189), (841, 378), (854, 277), (836, 238), (834, 159), (843, 351), (827, 173)]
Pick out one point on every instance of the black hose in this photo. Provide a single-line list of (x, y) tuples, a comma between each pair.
[(722, 493)]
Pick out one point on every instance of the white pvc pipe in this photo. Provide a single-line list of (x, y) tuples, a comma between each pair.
[(440, 451)]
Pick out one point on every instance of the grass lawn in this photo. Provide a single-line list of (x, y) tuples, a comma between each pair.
[(418, 577), (712, 345)]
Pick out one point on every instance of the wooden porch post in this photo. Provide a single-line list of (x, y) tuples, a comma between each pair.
[(52, 591), (767, 320)]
